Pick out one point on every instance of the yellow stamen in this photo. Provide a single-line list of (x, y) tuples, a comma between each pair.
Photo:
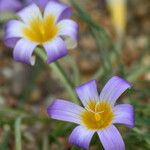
[(98, 115), (41, 30)]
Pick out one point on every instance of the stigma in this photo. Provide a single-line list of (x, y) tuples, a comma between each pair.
[(98, 115)]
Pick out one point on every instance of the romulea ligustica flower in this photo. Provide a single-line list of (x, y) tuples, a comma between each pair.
[(15, 5), (98, 115), (51, 29)]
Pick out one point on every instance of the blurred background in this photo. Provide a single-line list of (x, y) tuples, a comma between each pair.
[(114, 39)]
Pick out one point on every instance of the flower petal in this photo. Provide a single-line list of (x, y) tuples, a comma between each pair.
[(87, 92), (40, 3), (81, 137), (58, 10), (113, 89), (111, 139), (13, 32), (55, 49), (23, 51), (14, 29), (29, 13), (65, 111), (11, 42), (10, 5), (68, 29), (124, 114)]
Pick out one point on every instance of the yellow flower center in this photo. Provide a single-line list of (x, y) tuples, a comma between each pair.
[(41, 30), (97, 116)]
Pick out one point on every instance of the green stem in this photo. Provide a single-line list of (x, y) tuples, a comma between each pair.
[(45, 142), (103, 50), (102, 39), (138, 71), (31, 83), (18, 133), (60, 72), (28, 117), (76, 73)]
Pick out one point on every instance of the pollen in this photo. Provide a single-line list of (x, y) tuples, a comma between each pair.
[(97, 115), (41, 29)]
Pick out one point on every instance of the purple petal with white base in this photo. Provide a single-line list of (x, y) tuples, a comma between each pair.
[(29, 13), (14, 29), (65, 111), (23, 51), (40, 3), (87, 92), (124, 114), (10, 5), (13, 32), (111, 139), (81, 137), (60, 11), (68, 29), (113, 89), (55, 49)]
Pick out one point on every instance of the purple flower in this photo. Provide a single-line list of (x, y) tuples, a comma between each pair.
[(51, 29), (10, 5), (98, 115), (41, 3), (15, 5)]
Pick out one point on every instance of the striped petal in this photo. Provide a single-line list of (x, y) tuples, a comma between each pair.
[(111, 139), (58, 10), (65, 111), (55, 49), (23, 51), (81, 137), (87, 92), (68, 29), (29, 13), (124, 114), (113, 89), (10, 5)]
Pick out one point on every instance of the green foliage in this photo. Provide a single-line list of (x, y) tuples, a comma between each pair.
[(109, 52)]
